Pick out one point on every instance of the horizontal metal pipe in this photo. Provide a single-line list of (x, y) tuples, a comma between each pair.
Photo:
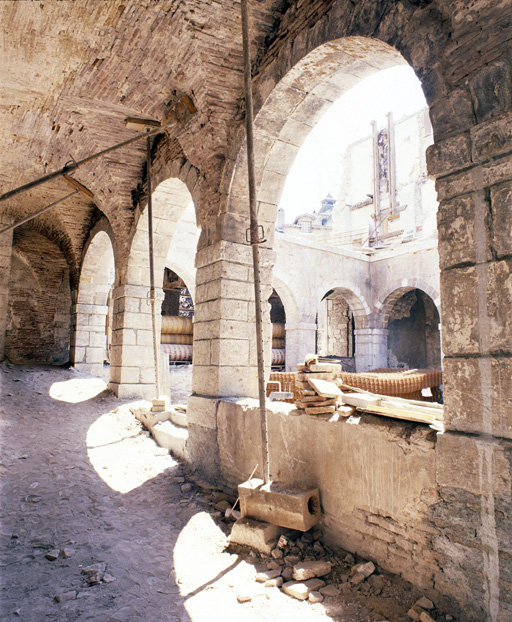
[(72, 166), (36, 214)]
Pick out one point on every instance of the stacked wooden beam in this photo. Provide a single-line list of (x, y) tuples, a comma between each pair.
[(317, 393)]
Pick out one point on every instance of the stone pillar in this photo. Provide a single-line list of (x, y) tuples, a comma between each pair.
[(371, 348), (473, 167), (322, 339), (89, 339), (225, 361), (132, 371), (5, 272), (300, 341)]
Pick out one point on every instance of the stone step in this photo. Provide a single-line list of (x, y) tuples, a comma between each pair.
[(172, 437)]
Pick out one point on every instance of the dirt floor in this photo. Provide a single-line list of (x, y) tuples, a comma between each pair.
[(99, 523)]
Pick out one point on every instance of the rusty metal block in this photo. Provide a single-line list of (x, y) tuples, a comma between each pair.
[(280, 505)]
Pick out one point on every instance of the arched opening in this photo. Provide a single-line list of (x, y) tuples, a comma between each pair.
[(414, 340), (177, 333), (278, 321), (93, 313), (336, 329), (132, 350), (39, 306)]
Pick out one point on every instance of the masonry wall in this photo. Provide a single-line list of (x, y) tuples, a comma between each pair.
[(39, 309)]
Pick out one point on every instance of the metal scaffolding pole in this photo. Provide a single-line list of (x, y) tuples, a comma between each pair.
[(254, 239), (152, 293)]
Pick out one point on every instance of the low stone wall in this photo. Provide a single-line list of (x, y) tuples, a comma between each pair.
[(377, 478), (433, 508)]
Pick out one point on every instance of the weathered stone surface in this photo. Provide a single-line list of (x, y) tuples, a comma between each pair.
[(315, 597), (298, 590), (256, 534), (266, 575), (308, 570)]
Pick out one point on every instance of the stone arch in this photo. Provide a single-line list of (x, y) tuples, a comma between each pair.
[(288, 299), (39, 303), (385, 304), (170, 199), (132, 357), (351, 311), (356, 301), (296, 86), (185, 272), (90, 342), (411, 321)]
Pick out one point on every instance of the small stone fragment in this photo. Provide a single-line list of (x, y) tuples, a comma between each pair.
[(272, 564), (377, 583), (292, 559), (66, 552), (424, 603), (315, 597), (365, 569), (317, 534), (277, 553), (287, 573), (277, 582), (329, 590), (414, 612), (307, 538), (244, 598), (357, 579), (62, 597), (108, 578), (298, 590), (349, 559), (52, 555), (315, 584), (222, 505), (186, 487), (266, 575), (230, 514), (424, 617), (309, 569)]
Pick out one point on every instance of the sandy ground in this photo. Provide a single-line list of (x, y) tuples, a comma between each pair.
[(95, 515)]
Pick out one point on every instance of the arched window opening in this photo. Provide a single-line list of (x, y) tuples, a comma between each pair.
[(414, 337), (336, 330)]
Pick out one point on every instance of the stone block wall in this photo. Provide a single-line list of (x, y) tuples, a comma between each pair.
[(39, 311)]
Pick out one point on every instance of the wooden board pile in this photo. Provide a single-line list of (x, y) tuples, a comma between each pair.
[(321, 392), (317, 393)]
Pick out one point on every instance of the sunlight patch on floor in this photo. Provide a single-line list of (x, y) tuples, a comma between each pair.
[(121, 453), (77, 389)]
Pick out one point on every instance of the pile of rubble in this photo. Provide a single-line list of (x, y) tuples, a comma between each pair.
[(317, 393), (304, 568)]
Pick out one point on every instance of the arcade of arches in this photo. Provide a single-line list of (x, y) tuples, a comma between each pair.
[(434, 507)]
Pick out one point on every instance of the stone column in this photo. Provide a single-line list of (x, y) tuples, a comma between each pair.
[(371, 348), (473, 167), (132, 371), (5, 272), (300, 341), (88, 339), (225, 362), (322, 339)]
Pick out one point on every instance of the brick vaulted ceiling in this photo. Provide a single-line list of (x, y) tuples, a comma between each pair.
[(71, 72)]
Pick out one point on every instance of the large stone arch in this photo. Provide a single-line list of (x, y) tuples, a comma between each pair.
[(89, 345), (132, 359)]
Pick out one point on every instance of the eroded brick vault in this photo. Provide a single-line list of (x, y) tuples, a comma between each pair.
[(72, 73)]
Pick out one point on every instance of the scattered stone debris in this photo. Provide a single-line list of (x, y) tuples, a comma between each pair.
[(308, 570), (52, 555), (95, 573), (62, 597), (186, 487)]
